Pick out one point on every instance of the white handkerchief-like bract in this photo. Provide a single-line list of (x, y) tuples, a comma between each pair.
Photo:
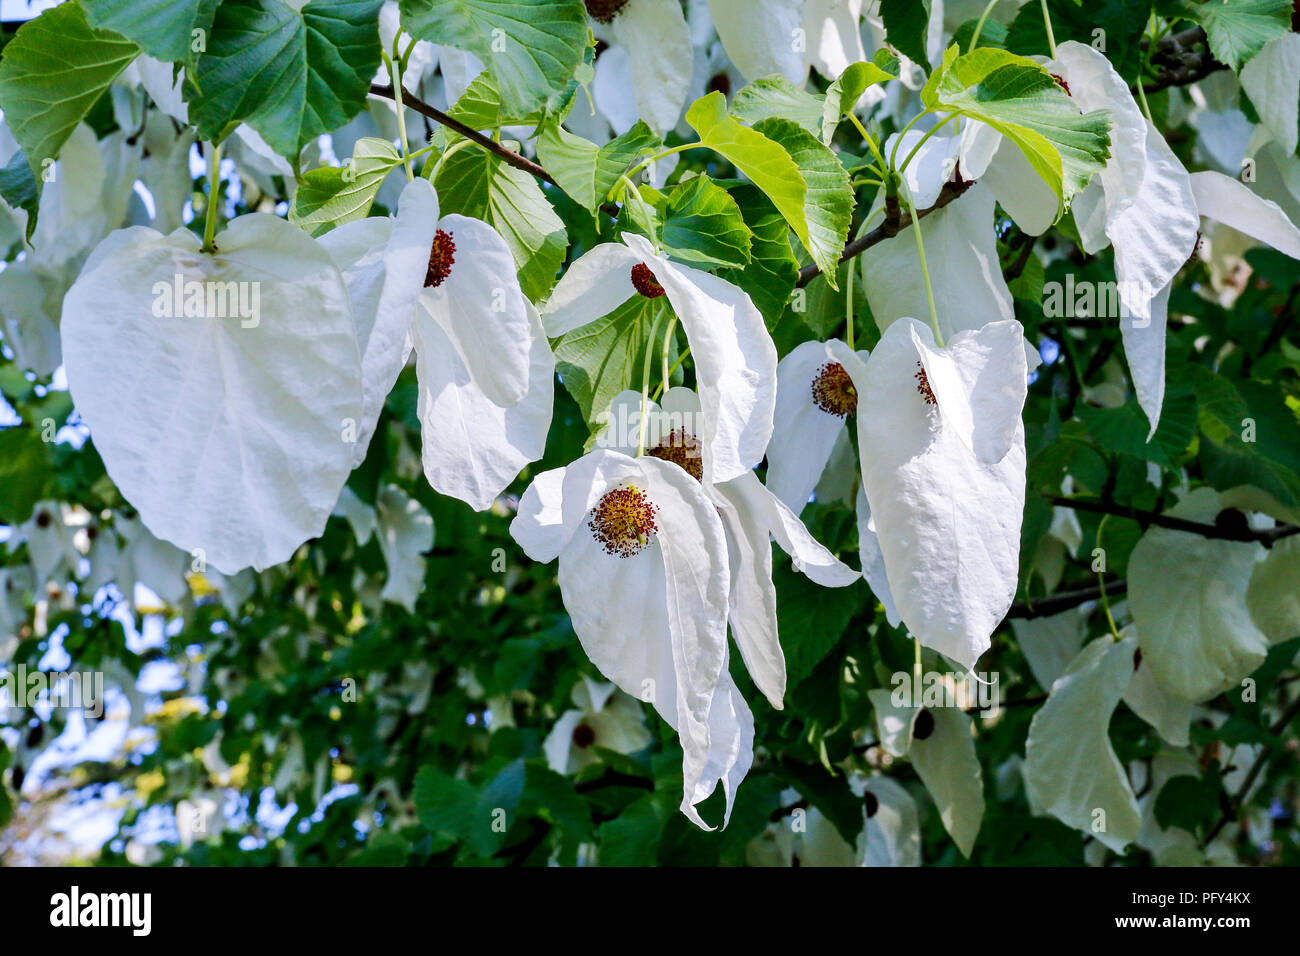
[(405, 533), (1071, 771), (448, 288), (751, 516), (1188, 601), (759, 36), (648, 63), (644, 575), (943, 465), (735, 360), (218, 387)]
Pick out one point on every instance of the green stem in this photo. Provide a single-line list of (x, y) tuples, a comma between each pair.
[(848, 306), (686, 352), (658, 156), (645, 383), (1051, 38), (979, 26), (668, 342), (933, 129), (214, 187), (432, 173), (868, 139), (925, 270), (893, 153), (1101, 584), (396, 78)]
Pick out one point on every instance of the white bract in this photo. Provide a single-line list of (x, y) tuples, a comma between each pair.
[(1071, 771), (646, 70), (602, 716), (735, 360), (644, 575), (447, 288), (218, 387), (943, 467), (751, 516)]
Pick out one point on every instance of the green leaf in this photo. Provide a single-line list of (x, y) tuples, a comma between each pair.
[(799, 600), (992, 34), (164, 29), (1187, 802), (765, 162), (54, 70), (632, 838), (477, 184), (828, 201), (1124, 429), (495, 809), (906, 23), (777, 96), (830, 795), (588, 172), (772, 272), (480, 106), (1122, 23), (599, 360), (1251, 437), (24, 473), (1019, 98), (290, 74), (330, 195), (18, 188), (532, 48), (1238, 29), (843, 95), (703, 225), (443, 804), (554, 794)]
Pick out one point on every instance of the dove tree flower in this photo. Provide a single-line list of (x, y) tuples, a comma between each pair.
[(751, 515), (644, 575), (447, 288), (602, 716), (735, 359), (648, 61)]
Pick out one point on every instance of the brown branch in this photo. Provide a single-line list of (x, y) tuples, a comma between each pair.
[(1180, 61), (1064, 601), (1222, 531), (887, 230), (514, 159)]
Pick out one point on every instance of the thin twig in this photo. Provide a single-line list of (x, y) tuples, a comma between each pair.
[(1221, 531), (1063, 601), (1234, 807)]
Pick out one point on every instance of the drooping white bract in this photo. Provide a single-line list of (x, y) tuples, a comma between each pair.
[(405, 532), (448, 289), (1192, 620), (817, 391), (735, 360), (218, 387), (759, 36), (1271, 79), (603, 716), (1071, 770), (751, 516), (943, 465), (648, 61), (833, 31), (644, 576)]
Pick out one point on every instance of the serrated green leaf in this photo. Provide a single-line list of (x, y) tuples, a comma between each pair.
[(906, 25), (1020, 99), (843, 95), (290, 74), (703, 225), (330, 195), (599, 360), (496, 808), (163, 29), (992, 34), (477, 184), (1238, 29), (768, 165), (554, 794), (588, 172), (772, 272), (777, 96), (532, 48), (799, 600), (828, 200), (53, 71), (632, 838)]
